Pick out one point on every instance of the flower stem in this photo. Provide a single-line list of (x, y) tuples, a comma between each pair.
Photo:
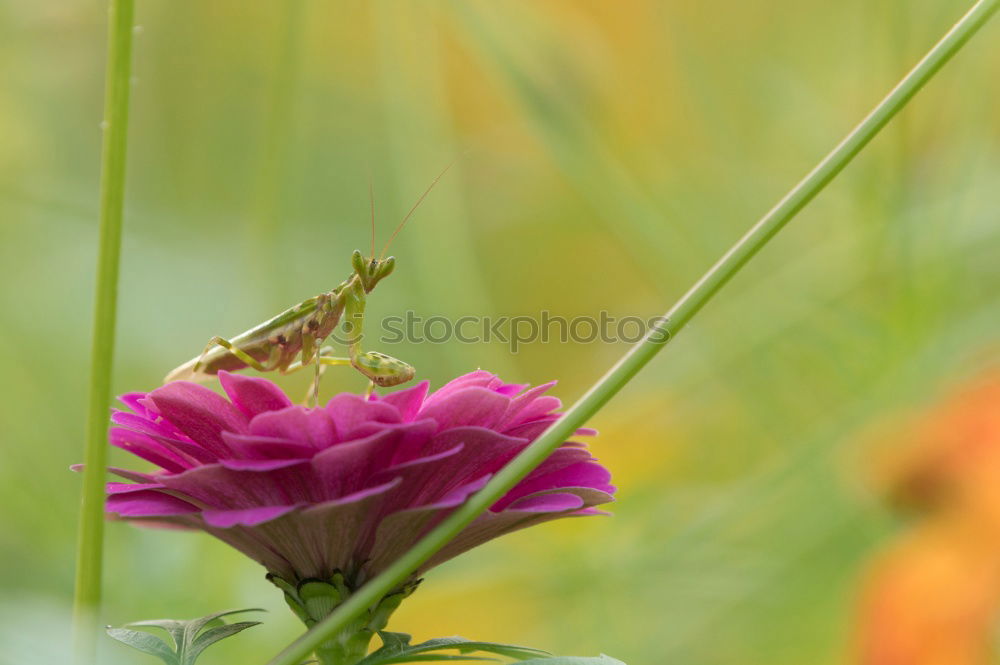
[(674, 320), (90, 544)]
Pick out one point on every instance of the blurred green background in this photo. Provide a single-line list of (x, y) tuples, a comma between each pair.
[(606, 153)]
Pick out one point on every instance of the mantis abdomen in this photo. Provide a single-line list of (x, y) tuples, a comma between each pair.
[(273, 345)]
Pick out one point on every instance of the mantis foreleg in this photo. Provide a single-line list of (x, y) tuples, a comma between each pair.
[(383, 370)]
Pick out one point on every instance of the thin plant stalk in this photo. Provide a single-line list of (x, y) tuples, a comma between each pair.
[(90, 542), (672, 322)]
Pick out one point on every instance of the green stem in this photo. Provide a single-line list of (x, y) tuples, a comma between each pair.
[(674, 320), (87, 600)]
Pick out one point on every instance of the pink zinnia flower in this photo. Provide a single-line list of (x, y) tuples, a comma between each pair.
[(339, 492)]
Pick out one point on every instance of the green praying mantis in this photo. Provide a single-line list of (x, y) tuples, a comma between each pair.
[(293, 339)]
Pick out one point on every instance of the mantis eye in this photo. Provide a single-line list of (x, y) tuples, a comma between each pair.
[(385, 268)]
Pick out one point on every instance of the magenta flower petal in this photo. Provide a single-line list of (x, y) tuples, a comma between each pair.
[(134, 401), (529, 405), (296, 423), (548, 503), (471, 406), (408, 401), (349, 486), (144, 446), (253, 395), (219, 487), (199, 413), (244, 516), (580, 474), (348, 467), (128, 488), (252, 447), (148, 503), (355, 417), (402, 528), (134, 476), (260, 464)]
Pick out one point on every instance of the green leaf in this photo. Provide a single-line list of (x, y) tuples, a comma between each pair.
[(436, 658), (433, 657), (396, 648), (146, 643), (193, 628), (394, 639), (190, 638), (213, 635), (172, 626), (574, 660), (465, 646)]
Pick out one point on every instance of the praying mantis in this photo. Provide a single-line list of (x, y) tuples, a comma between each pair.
[(299, 331)]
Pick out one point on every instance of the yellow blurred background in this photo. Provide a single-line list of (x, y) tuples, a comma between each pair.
[(606, 153)]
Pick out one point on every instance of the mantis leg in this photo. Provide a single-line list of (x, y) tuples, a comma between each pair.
[(320, 359), (321, 362), (272, 361), (381, 369)]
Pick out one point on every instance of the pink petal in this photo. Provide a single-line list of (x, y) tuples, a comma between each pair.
[(126, 488), (148, 503), (469, 406), (581, 474), (312, 427), (408, 401), (547, 503), (229, 489), (562, 457), (489, 445), (532, 430), (253, 395), (355, 417), (260, 464), (200, 413), (537, 408), (145, 447), (187, 450), (414, 489), (521, 402), (480, 378), (398, 531), (134, 401), (154, 426), (511, 389), (347, 467), (225, 519), (453, 458), (249, 446)]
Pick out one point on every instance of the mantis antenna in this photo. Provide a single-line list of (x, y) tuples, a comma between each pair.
[(415, 206)]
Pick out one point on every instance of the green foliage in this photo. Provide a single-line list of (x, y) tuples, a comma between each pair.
[(603, 659), (396, 648), (189, 638)]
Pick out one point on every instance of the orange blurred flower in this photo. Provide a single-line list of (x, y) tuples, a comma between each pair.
[(933, 596)]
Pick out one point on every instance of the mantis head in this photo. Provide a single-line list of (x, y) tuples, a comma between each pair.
[(371, 271)]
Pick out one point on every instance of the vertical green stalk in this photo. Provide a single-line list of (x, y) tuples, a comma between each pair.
[(673, 321), (87, 600)]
